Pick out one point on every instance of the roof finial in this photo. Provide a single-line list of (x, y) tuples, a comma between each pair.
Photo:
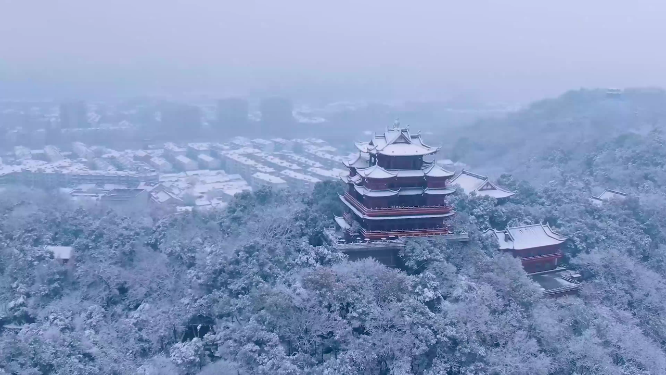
[(396, 123)]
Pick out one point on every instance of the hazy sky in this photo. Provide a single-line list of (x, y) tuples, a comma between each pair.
[(498, 50)]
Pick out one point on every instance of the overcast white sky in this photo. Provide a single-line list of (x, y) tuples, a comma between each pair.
[(500, 50)]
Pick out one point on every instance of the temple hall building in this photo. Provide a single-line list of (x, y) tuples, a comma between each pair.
[(537, 246), (539, 249), (480, 185)]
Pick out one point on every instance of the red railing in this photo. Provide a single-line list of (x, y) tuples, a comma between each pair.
[(541, 258), (392, 211), (377, 235)]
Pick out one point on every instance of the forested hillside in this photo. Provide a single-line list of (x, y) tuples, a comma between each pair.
[(582, 133), (253, 289)]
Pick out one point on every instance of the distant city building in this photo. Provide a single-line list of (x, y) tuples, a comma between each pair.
[(263, 145), (244, 166), (160, 164), (180, 119), (73, 115), (260, 180), (173, 150), (282, 144), (232, 114), (208, 162), (185, 164), (196, 149), (82, 151), (299, 181), (276, 116), (52, 153)]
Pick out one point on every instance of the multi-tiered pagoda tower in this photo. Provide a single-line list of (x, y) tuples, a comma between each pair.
[(392, 192)]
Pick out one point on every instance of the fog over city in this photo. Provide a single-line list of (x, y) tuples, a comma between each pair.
[(502, 51), (348, 187)]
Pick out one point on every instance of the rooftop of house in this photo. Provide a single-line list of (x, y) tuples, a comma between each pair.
[(611, 194), (60, 252), (299, 176), (268, 178)]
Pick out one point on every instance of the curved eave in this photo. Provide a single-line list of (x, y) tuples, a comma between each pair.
[(439, 191), (364, 147), (377, 173), (429, 151), (375, 193), (496, 193), (436, 171)]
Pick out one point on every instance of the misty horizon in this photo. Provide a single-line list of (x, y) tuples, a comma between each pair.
[(510, 52)]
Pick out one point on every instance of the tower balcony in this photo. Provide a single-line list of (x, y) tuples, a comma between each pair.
[(388, 234), (397, 211)]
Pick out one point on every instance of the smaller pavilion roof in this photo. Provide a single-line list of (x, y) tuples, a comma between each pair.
[(527, 237), (375, 193), (376, 172), (436, 171), (359, 161)]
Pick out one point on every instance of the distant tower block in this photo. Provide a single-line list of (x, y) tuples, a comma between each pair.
[(232, 114), (73, 115)]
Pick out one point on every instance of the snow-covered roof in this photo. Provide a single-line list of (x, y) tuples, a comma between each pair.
[(268, 178), (299, 176), (375, 193), (397, 141), (60, 252), (471, 182), (444, 191), (527, 237), (436, 171), (407, 172), (342, 222), (205, 158), (611, 194), (359, 161), (376, 172)]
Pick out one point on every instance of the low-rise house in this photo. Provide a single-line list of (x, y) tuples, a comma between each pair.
[(608, 196), (64, 254)]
